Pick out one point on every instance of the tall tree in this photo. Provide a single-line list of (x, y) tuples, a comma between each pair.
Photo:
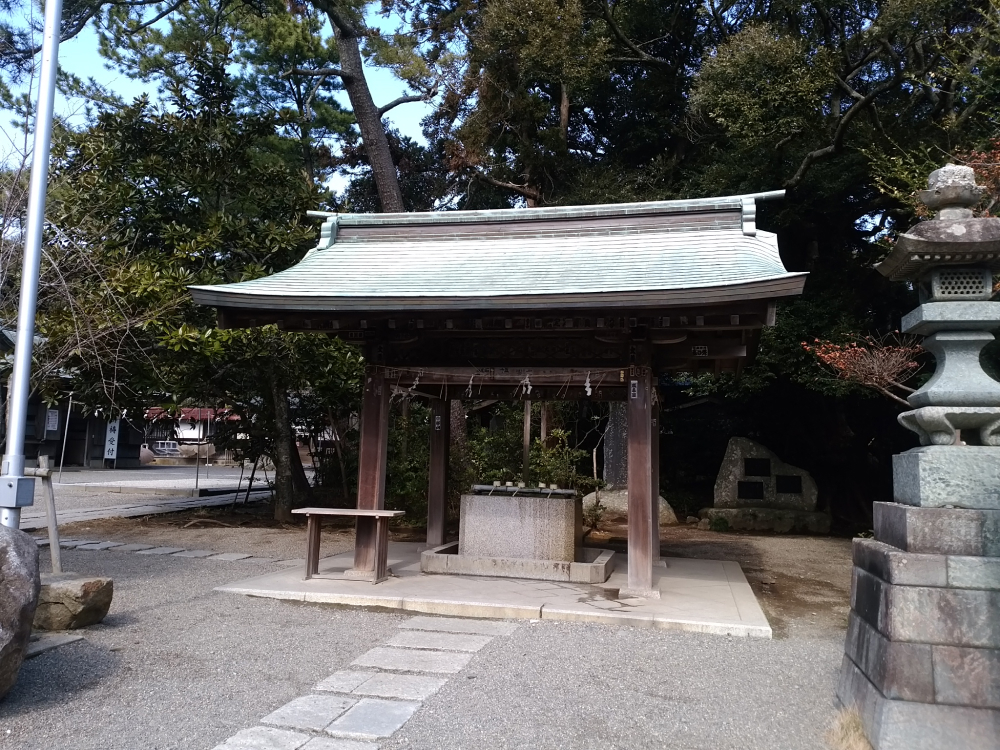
[(159, 201)]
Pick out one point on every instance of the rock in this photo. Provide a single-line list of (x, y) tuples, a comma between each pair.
[(19, 585), (692, 519), (616, 501), (751, 476), (703, 523), (68, 601), (766, 519)]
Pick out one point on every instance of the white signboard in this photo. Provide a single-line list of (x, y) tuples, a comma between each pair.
[(52, 420), (111, 440)]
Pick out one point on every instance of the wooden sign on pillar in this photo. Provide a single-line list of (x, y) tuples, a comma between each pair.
[(640, 483), (372, 454), (437, 482)]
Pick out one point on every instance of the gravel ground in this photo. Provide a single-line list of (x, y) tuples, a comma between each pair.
[(177, 665), (72, 493), (569, 685)]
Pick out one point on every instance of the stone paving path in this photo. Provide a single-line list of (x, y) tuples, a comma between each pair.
[(355, 709), (149, 549), (34, 519)]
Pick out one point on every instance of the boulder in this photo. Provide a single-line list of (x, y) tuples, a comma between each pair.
[(616, 501), (751, 476), (68, 601), (19, 585)]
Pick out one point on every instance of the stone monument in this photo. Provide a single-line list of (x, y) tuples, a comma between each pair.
[(922, 661), (757, 491)]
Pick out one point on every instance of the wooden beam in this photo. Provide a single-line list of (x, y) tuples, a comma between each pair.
[(437, 483), (371, 463), (640, 485)]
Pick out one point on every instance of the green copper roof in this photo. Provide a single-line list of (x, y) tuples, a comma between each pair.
[(574, 256)]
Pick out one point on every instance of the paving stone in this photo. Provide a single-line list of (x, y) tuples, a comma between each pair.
[(410, 660), (194, 553), (41, 542), (289, 563), (344, 681), (71, 543), (133, 547), (160, 551), (406, 686), (230, 556), (336, 743), (264, 738), (309, 712), (460, 625), (371, 718), (439, 641), (42, 642), (100, 545)]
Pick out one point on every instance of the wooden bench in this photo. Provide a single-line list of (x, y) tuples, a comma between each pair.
[(380, 519)]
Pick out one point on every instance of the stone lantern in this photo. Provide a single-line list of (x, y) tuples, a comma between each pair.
[(922, 656)]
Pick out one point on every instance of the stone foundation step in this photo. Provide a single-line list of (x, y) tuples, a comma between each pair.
[(939, 531), (917, 569), (910, 725), (947, 675)]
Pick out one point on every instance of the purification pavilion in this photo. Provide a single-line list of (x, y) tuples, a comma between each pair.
[(582, 302)]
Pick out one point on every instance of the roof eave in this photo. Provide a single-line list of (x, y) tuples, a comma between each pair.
[(785, 285)]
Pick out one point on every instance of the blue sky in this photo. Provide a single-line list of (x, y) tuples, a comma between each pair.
[(80, 56)]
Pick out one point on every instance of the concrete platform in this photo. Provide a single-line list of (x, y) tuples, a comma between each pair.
[(705, 596)]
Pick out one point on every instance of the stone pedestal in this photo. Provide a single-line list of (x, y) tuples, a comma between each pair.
[(922, 657), (527, 527)]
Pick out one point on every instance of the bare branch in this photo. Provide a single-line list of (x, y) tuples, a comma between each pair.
[(317, 73), (159, 16), (402, 100), (837, 141), (524, 190)]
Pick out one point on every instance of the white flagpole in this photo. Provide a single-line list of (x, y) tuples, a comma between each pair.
[(16, 490)]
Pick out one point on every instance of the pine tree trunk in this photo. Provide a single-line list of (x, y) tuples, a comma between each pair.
[(289, 476), (616, 448), (369, 122)]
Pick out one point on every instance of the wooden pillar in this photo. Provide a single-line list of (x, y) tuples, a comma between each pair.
[(654, 450), (371, 463), (526, 455), (640, 485), (437, 483)]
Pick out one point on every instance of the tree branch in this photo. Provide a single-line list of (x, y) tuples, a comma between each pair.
[(890, 394), (401, 100), (641, 55), (837, 141), (339, 21), (523, 190), (159, 16), (317, 73)]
